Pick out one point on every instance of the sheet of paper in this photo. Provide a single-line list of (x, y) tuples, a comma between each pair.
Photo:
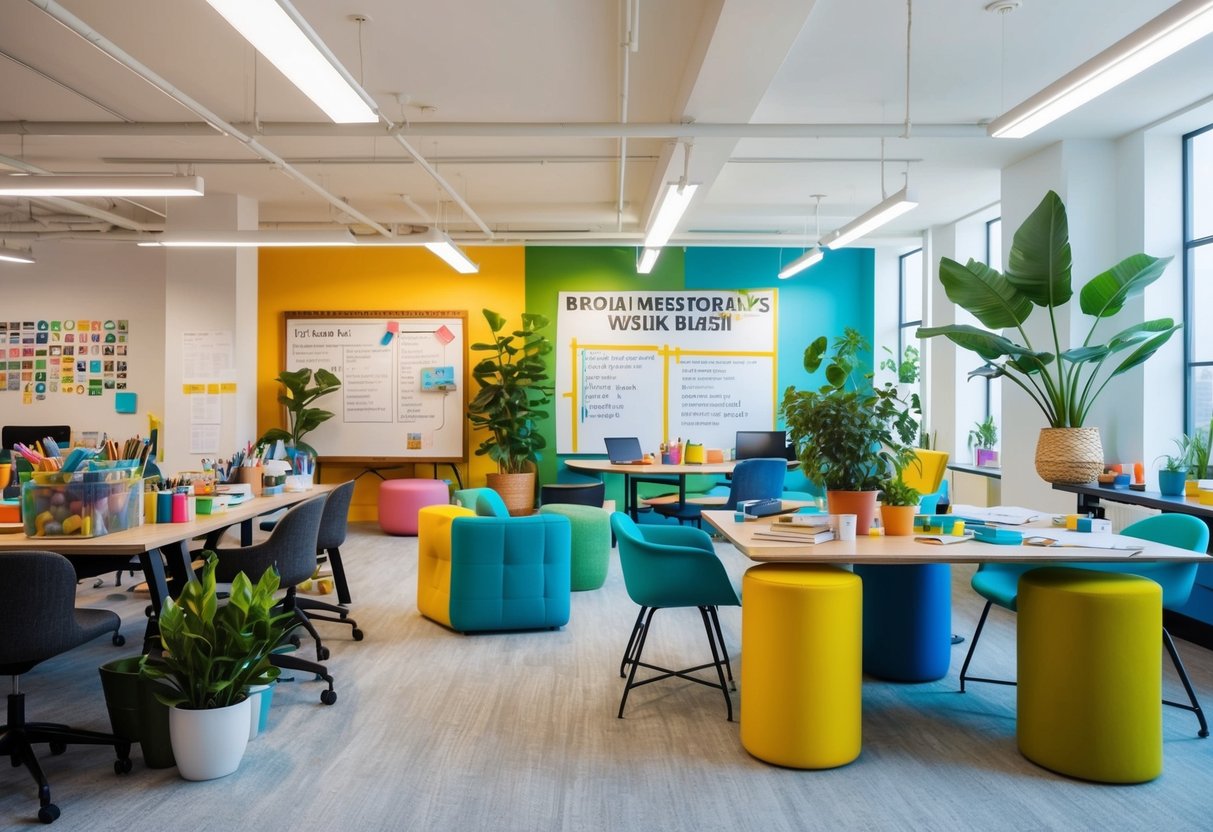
[(1006, 515), (1087, 540), (207, 354), (204, 409), (204, 439)]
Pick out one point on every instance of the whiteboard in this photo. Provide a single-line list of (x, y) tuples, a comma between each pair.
[(403, 381), (696, 365)]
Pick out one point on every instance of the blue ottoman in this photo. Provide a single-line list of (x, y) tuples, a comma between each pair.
[(907, 621)]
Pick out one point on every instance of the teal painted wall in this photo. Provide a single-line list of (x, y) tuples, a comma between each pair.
[(836, 293)]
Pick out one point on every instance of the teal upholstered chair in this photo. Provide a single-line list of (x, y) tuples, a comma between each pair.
[(673, 566), (998, 583), (484, 501)]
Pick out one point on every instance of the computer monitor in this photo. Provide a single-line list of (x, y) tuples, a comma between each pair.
[(761, 444), (623, 450), (29, 434)]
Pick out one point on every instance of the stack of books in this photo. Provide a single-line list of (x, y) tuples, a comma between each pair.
[(797, 528)]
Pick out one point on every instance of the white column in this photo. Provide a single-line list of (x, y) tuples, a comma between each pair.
[(210, 290)]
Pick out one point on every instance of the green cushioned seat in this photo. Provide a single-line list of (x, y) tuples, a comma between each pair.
[(591, 542)]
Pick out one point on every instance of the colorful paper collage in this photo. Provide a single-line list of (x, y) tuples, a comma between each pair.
[(73, 357)]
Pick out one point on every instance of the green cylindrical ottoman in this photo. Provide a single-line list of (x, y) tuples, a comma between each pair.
[(591, 542)]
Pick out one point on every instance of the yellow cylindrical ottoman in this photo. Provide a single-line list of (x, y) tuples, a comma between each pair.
[(1090, 679), (801, 665)]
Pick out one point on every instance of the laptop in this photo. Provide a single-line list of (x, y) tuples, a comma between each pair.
[(624, 450)]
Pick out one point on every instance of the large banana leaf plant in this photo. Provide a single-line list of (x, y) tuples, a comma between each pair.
[(513, 388), (1064, 383)]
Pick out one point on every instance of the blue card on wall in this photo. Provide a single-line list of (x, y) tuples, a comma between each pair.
[(126, 402)]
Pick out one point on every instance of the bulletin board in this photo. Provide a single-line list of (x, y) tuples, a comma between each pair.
[(403, 382)]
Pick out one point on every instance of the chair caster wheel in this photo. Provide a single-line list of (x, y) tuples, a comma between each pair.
[(322, 653), (328, 697), (119, 639), (294, 641), (48, 813), (58, 748), (123, 766), (358, 634)]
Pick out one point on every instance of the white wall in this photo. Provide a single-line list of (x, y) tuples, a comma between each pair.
[(106, 281)]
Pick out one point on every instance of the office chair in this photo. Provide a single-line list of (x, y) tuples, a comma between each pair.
[(39, 620), (753, 479), (291, 549), (673, 566), (333, 526), (998, 583)]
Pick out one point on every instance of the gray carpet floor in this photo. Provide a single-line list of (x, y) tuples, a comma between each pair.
[(438, 731)]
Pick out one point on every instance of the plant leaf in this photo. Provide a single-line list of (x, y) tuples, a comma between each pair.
[(1039, 261), (989, 296), (1105, 294)]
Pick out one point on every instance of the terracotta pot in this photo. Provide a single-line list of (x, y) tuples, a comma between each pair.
[(898, 520), (860, 503), (517, 492), (1069, 455)]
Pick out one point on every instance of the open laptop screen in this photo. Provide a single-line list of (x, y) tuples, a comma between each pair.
[(623, 449), (760, 444)]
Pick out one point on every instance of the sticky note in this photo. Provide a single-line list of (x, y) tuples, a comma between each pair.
[(193, 389), (213, 388), (444, 335), (227, 387), (126, 402)]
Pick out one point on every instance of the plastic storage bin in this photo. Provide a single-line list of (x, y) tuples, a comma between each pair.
[(105, 498)]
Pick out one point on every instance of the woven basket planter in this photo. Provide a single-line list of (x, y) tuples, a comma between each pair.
[(1069, 455), (517, 491)]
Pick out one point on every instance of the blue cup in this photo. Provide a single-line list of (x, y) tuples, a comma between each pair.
[(164, 506)]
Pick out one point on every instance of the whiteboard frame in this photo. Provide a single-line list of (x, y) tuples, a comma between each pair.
[(386, 315)]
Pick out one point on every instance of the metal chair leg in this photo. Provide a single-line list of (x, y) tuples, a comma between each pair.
[(973, 645), (724, 651), (716, 661), (1187, 683), (644, 632), (627, 653)]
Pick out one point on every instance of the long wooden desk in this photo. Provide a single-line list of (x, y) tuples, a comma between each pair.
[(150, 542), (906, 550)]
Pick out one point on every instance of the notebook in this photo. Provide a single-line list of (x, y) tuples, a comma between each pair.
[(624, 450)]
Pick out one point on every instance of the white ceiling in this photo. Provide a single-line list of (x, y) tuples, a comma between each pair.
[(462, 66)]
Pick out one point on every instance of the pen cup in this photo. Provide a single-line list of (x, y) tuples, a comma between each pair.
[(149, 507), (180, 509), (164, 506), (252, 477)]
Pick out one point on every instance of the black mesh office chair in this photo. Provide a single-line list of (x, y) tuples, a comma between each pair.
[(38, 621), (291, 549), (333, 526)]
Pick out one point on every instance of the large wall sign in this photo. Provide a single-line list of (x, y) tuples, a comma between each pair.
[(402, 382), (695, 365)]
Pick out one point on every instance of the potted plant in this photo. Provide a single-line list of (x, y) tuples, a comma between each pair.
[(1063, 383), (512, 391), (982, 439), (1173, 472), (849, 436), (899, 504), (907, 368), (301, 419), (212, 654), (1196, 450)]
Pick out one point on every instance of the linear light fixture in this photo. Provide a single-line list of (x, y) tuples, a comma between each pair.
[(893, 207), (436, 241), (674, 203), (40, 184), (647, 260), (9, 254), (277, 30), (453, 255), (809, 258), (252, 239), (1177, 27)]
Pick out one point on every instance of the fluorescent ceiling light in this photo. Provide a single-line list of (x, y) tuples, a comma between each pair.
[(673, 205), (453, 255), (893, 207), (648, 259), (15, 255), (802, 262), (251, 239), (280, 33), (54, 185), (1171, 31)]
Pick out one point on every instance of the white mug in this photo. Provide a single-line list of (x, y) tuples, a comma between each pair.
[(846, 526)]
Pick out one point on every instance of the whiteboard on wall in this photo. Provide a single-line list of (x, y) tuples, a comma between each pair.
[(695, 365), (403, 382)]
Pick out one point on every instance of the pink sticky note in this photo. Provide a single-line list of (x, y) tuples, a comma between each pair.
[(393, 327), (444, 335)]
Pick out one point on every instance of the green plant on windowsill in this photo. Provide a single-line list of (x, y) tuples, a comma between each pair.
[(984, 434), (1174, 464), (907, 368), (301, 419), (1196, 450)]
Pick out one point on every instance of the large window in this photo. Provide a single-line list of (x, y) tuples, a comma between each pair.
[(1198, 276), (909, 316), (994, 260)]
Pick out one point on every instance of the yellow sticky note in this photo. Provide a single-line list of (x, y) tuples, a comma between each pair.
[(213, 388), (227, 387), (193, 389)]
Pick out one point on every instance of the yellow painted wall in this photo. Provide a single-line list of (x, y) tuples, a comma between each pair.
[(336, 279)]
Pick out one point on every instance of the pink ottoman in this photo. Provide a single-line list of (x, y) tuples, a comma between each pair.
[(400, 500)]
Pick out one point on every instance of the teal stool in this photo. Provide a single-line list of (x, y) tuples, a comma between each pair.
[(591, 542)]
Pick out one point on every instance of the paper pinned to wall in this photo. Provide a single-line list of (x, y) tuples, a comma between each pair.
[(207, 354), (204, 409), (204, 439)]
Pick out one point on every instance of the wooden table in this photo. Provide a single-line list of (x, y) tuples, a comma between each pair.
[(149, 542), (906, 550)]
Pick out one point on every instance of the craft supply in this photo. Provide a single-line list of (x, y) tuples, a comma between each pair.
[(180, 509), (164, 506)]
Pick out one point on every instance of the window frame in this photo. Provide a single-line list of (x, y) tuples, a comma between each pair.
[(902, 323), (1190, 246)]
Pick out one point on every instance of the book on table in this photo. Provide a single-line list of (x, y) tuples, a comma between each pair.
[(781, 534)]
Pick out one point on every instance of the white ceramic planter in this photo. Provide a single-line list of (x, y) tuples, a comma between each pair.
[(210, 743)]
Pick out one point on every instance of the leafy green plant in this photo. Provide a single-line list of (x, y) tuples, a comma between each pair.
[(849, 435), (1196, 450), (894, 492), (907, 368), (984, 434), (301, 419), (213, 653), (511, 392), (1064, 384), (1175, 464)]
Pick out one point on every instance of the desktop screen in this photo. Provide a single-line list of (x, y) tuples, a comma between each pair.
[(760, 444)]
